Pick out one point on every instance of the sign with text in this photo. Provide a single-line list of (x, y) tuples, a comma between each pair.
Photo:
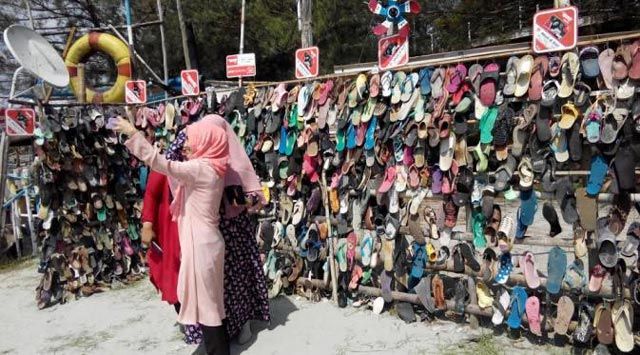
[(190, 82), (241, 65), (307, 62), (20, 121), (135, 92), (393, 51), (555, 30)]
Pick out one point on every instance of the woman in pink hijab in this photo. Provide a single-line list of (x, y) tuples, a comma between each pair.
[(245, 284), (200, 184)]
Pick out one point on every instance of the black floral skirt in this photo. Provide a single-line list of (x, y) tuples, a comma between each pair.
[(245, 287)]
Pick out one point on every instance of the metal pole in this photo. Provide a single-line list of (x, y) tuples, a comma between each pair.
[(127, 15), (241, 35), (164, 47), (183, 34)]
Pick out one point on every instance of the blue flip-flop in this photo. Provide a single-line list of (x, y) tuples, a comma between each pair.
[(370, 138), (425, 81), (282, 149), (556, 267), (517, 308), (506, 266), (419, 260), (351, 137), (528, 207), (599, 168)]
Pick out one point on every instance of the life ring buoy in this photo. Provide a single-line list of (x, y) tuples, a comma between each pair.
[(112, 46)]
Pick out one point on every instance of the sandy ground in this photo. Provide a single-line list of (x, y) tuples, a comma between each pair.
[(133, 321)]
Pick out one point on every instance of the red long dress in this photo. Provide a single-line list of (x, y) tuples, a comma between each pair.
[(163, 267)]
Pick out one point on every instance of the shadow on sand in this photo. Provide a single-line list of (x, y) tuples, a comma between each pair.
[(280, 308)]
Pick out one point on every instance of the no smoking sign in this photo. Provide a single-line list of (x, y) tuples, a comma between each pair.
[(393, 51), (135, 92), (307, 62)]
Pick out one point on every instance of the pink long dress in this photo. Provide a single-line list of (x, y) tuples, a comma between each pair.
[(201, 276)]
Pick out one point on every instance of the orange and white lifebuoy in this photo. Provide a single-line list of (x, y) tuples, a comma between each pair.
[(112, 46)]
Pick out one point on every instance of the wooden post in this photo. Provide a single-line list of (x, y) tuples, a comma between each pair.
[(83, 85), (183, 34), (331, 239), (306, 12)]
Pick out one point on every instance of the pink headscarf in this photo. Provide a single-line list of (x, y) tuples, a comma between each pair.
[(208, 141), (240, 172)]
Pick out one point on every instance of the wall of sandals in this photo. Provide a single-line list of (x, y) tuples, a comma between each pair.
[(465, 188), (469, 187), (90, 192)]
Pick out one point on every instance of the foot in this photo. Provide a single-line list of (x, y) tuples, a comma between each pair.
[(245, 334), (200, 350)]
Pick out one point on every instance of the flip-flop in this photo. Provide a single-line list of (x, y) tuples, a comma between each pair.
[(425, 81), (488, 84), (506, 266), (603, 322), (564, 315), (584, 330), (419, 260), (517, 308), (504, 173), (500, 306), (549, 213), (524, 70), (479, 241), (528, 207), (366, 249), (587, 207), (423, 290), (624, 164), (483, 162), (622, 315), (533, 315), (575, 276), (528, 264), (598, 172), (438, 292), (540, 69), (556, 267), (385, 285), (569, 68), (484, 295), (511, 73), (487, 121), (469, 259), (598, 273)]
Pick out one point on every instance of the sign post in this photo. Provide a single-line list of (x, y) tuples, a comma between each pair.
[(190, 82), (307, 62), (241, 65), (555, 30), (135, 92), (20, 121), (393, 51)]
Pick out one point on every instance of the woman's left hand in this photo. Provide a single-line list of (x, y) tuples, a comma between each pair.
[(123, 126)]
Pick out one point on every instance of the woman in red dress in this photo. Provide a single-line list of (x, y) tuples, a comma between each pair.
[(163, 256)]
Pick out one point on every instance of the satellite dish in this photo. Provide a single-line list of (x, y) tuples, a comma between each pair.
[(35, 55)]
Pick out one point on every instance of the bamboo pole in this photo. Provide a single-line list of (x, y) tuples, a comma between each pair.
[(330, 239), (413, 298)]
